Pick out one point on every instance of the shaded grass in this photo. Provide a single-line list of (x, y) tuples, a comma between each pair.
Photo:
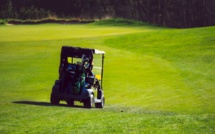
[(156, 80)]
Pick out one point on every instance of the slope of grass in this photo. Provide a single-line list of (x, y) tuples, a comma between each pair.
[(156, 80), (182, 64), (60, 32)]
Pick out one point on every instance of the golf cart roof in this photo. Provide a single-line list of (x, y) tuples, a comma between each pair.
[(98, 51), (69, 51)]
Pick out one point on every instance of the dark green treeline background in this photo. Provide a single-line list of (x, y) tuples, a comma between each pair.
[(171, 13)]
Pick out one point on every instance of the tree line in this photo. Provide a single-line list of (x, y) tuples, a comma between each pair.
[(172, 13)]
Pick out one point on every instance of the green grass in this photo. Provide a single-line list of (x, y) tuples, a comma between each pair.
[(156, 80)]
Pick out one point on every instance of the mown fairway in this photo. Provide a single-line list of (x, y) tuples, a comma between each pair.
[(157, 80)]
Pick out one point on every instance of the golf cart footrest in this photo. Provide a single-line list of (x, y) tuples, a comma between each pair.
[(97, 100)]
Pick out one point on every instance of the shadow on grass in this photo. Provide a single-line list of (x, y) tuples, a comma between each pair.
[(44, 104)]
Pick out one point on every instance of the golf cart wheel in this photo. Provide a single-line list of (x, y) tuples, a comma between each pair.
[(55, 89), (54, 100), (101, 104), (88, 103), (70, 102), (57, 82)]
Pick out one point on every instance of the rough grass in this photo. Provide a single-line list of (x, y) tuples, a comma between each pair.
[(157, 80)]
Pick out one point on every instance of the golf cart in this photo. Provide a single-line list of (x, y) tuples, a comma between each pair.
[(77, 81)]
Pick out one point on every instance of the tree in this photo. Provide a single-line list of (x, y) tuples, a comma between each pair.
[(172, 13)]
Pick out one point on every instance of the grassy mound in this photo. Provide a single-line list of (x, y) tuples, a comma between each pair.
[(43, 21), (121, 22), (156, 80)]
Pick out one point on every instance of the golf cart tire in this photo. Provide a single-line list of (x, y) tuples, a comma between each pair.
[(54, 100), (57, 82), (70, 102), (100, 94), (101, 104), (55, 89), (88, 103)]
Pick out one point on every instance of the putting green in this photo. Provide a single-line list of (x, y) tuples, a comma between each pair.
[(58, 31)]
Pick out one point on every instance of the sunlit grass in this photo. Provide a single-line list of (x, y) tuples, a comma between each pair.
[(57, 31), (156, 80)]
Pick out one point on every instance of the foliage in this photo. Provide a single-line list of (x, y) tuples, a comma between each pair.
[(33, 13), (2, 22), (177, 13), (156, 80), (48, 20)]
